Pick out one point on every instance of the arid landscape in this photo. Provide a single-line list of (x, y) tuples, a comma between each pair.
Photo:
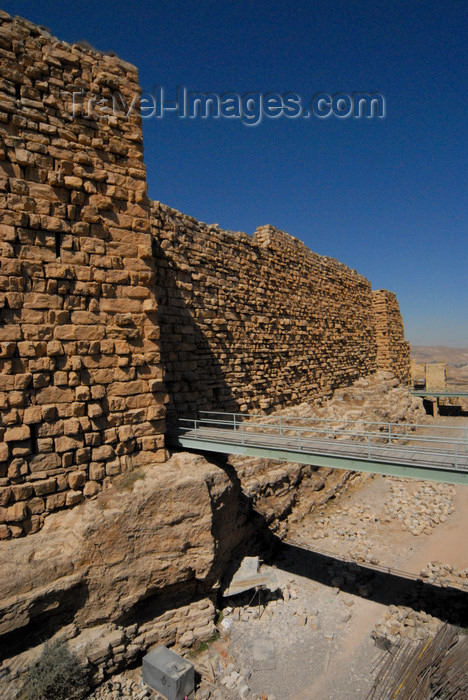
[(456, 359), (382, 564), (211, 447)]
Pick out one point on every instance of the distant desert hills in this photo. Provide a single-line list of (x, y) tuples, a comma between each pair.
[(456, 359), (439, 353)]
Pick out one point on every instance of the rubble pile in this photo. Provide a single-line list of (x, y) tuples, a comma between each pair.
[(401, 622), (379, 397), (421, 510), (121, 687), (445, 574), (345, 523)]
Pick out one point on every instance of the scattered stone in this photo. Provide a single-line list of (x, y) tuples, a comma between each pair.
[(403, 622), (420, 510)]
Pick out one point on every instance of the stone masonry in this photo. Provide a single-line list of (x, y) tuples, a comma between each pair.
[(108, 299), (81, 392), (393, 351), (254, 324)]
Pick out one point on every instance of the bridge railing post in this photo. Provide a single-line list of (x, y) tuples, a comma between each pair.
[(326, 427), (368, 446), (242, 433), (456, 454), (389, 433), (280, 426), (234, 421), (299, 439), (195, 424)]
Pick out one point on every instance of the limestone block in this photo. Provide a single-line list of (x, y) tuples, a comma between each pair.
[(22, 492), (13, 514), (17, 468), (5, 496), (43, 487), (44, 462), (16, 434), (97, 471), (56, 501), (91, 489), (77, 479), (65, 443), (73, 498), (104, 452)]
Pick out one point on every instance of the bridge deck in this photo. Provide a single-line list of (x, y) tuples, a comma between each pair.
[(422, 457)]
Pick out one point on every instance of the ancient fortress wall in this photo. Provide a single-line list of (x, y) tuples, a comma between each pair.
[(255, 323), (106, 298), (393, 351), (81, 396)]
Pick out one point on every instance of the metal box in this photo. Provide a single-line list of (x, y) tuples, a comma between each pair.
[(168, 673)]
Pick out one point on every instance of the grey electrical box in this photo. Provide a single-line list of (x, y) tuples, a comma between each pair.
[(168, 673)]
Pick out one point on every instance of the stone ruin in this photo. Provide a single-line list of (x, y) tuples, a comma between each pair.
[(114, 307)]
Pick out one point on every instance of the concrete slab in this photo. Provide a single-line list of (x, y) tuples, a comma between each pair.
[(263, 655), (248, 576)]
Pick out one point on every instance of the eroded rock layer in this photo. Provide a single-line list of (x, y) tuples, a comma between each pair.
[(138, 565)]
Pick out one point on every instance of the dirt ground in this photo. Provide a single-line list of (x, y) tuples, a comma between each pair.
[(343, 570), (323, 649)]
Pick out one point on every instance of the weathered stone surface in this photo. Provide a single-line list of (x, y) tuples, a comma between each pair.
[(149, 556), (253, 324), (70, 266), (86, 351), (16, 434), (393, 351)]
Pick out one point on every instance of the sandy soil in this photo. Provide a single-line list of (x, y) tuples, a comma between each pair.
[(320, 624), (338, 660)]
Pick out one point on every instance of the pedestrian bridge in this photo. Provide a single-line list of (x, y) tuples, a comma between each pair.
[(435, 453)]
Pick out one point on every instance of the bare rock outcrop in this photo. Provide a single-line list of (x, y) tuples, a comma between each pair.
[(281, 489), (140, 564)]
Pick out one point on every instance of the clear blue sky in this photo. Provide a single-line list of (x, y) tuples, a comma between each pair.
[(387, 197)]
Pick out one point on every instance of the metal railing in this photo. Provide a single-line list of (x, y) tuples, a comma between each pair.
[(441, 582), (386, 442), (383, 426)]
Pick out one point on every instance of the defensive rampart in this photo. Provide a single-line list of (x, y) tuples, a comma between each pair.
[(81, 393), (393, 351), (107, 299), (255, 323)]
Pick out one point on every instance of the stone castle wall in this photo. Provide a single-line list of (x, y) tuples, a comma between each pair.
[(81, 396), (106, 298), (393, 351), (256, 323)]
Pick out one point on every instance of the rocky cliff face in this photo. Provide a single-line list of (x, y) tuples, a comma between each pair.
[(138, 565), (142, 563)]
